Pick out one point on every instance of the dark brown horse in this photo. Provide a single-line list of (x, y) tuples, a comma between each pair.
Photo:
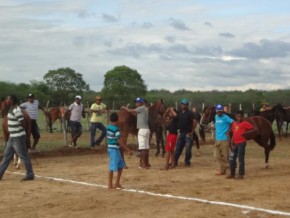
[(206, 121), (4, 108), (128, 124), (282, 115)]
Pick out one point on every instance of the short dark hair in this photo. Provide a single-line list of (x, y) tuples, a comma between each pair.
[(114, 117), (14, 99), (240, 112)]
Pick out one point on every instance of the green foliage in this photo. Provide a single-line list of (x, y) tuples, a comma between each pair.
[(65, 83), (122, 85)]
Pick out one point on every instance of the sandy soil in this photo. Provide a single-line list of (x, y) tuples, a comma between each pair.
[(83, 192)]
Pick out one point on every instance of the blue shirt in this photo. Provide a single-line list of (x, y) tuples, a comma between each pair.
[(222, 124), (113, 134)]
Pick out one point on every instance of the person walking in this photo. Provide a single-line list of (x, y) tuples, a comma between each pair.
[(221, 148), (77, 112), (17, 139), (238, 145), (186, 124), (116, 162), (31, 106), (98, 110), (141, 111)]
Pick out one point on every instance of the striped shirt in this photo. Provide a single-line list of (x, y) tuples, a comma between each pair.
[(31, 108), (113, 134), (15, 116)]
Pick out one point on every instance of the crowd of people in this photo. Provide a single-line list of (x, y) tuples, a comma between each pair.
[(180, 134)]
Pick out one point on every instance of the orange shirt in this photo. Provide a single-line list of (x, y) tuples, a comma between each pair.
[(238, 129)]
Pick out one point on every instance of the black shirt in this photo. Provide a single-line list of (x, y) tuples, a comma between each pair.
[(186, 118), (172, 128)]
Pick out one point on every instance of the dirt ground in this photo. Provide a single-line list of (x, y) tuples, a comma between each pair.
[(72, 183)]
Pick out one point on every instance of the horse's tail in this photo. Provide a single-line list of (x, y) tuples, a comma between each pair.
[(272, 141)]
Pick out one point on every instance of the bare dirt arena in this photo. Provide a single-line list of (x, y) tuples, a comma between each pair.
[(73, 183)]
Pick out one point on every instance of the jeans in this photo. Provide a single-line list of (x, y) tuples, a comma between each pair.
[(187, 141), (238, 151), (16, 145), (94, 127)]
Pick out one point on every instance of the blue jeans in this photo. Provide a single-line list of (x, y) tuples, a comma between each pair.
[(94, 127), (238, 151), (16, 145), (187, 141)]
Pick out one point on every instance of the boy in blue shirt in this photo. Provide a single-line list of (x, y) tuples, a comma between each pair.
[(114, 143)]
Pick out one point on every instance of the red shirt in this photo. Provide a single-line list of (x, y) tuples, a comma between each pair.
[(238, 129)]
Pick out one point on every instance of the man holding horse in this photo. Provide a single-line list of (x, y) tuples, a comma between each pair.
[(31, 106), (221, 149), (17, 139), (143, 131), (187, 122)]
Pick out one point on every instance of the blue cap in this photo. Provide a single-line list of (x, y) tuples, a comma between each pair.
[(219, 107), (184, 101), (139, 100)]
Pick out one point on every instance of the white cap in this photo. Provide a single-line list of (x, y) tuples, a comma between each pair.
[(79, 97)]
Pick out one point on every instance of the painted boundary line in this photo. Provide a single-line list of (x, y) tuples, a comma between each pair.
[(220, 203)]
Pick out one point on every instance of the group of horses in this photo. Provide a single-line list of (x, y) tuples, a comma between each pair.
[(262, 134)]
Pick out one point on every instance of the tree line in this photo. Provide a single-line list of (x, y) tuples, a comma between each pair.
[(123, 84)]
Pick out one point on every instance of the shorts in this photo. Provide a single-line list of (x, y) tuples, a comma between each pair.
[(170, 142), (76, 128), (143, 139), (35, 130), (116, 161)]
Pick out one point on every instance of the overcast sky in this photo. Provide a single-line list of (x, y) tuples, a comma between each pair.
[(173, 44)]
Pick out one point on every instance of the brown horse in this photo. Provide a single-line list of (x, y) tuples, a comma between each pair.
[(57, 113), (128, 124), (262, 133), (4, 111)]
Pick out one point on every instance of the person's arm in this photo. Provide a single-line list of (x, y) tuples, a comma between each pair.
[(124, 147), (132, 111)]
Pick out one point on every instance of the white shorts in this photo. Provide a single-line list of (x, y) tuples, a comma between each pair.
[(143, 139)]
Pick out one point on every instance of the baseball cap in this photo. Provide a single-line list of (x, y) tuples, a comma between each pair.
[(139, 100), (30, 95), (219, 107), (184, 101), (79, 97)]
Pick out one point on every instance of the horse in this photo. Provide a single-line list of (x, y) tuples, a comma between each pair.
[(128, 124), (206, 121), (282, 115), (4, 108), (261, 134), (268, 114), (56, 113)]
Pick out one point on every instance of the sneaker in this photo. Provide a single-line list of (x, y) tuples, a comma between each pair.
[(27, 178)]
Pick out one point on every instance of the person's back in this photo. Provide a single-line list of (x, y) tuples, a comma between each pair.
[(142, 117)]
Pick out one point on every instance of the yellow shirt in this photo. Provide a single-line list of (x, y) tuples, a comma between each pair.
[(101, 116)]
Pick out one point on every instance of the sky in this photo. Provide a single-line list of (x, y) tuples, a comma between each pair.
[(197, 45)]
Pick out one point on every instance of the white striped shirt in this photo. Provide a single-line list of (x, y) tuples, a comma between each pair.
[(15, 116), (31, 108)]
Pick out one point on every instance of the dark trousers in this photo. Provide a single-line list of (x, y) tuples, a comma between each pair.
[(239, 151), (183, 141)]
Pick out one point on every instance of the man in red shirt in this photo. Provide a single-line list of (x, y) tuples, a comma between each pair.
[(238, 145)]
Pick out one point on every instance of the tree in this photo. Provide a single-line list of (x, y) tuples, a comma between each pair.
[(122, 85), (65, 83)]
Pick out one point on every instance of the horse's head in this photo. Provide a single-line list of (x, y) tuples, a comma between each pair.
[(206, 119), (157, 108)]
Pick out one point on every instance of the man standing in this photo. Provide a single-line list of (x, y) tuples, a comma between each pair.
[(98, 110), (17, 139), (31, 106), (221, 149), (143, 131), (77, 112), (186, 124)]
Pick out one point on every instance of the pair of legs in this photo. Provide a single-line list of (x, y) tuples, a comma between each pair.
[(17, 145), (238, 152), (143, 143), (93, 129), (221, 154), (183, 140), (35, 133), (116, 163), (169, 147), (76, 131)]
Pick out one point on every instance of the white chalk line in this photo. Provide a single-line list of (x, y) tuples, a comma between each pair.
[(251, 208)]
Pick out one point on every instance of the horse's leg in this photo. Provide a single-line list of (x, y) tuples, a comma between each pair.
[(286, 129), (267, 152)]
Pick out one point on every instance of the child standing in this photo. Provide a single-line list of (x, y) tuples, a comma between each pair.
[(238, 146), (171, 139), (114, 143)]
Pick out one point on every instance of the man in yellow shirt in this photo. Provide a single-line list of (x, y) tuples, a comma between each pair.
[(99, 112)]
